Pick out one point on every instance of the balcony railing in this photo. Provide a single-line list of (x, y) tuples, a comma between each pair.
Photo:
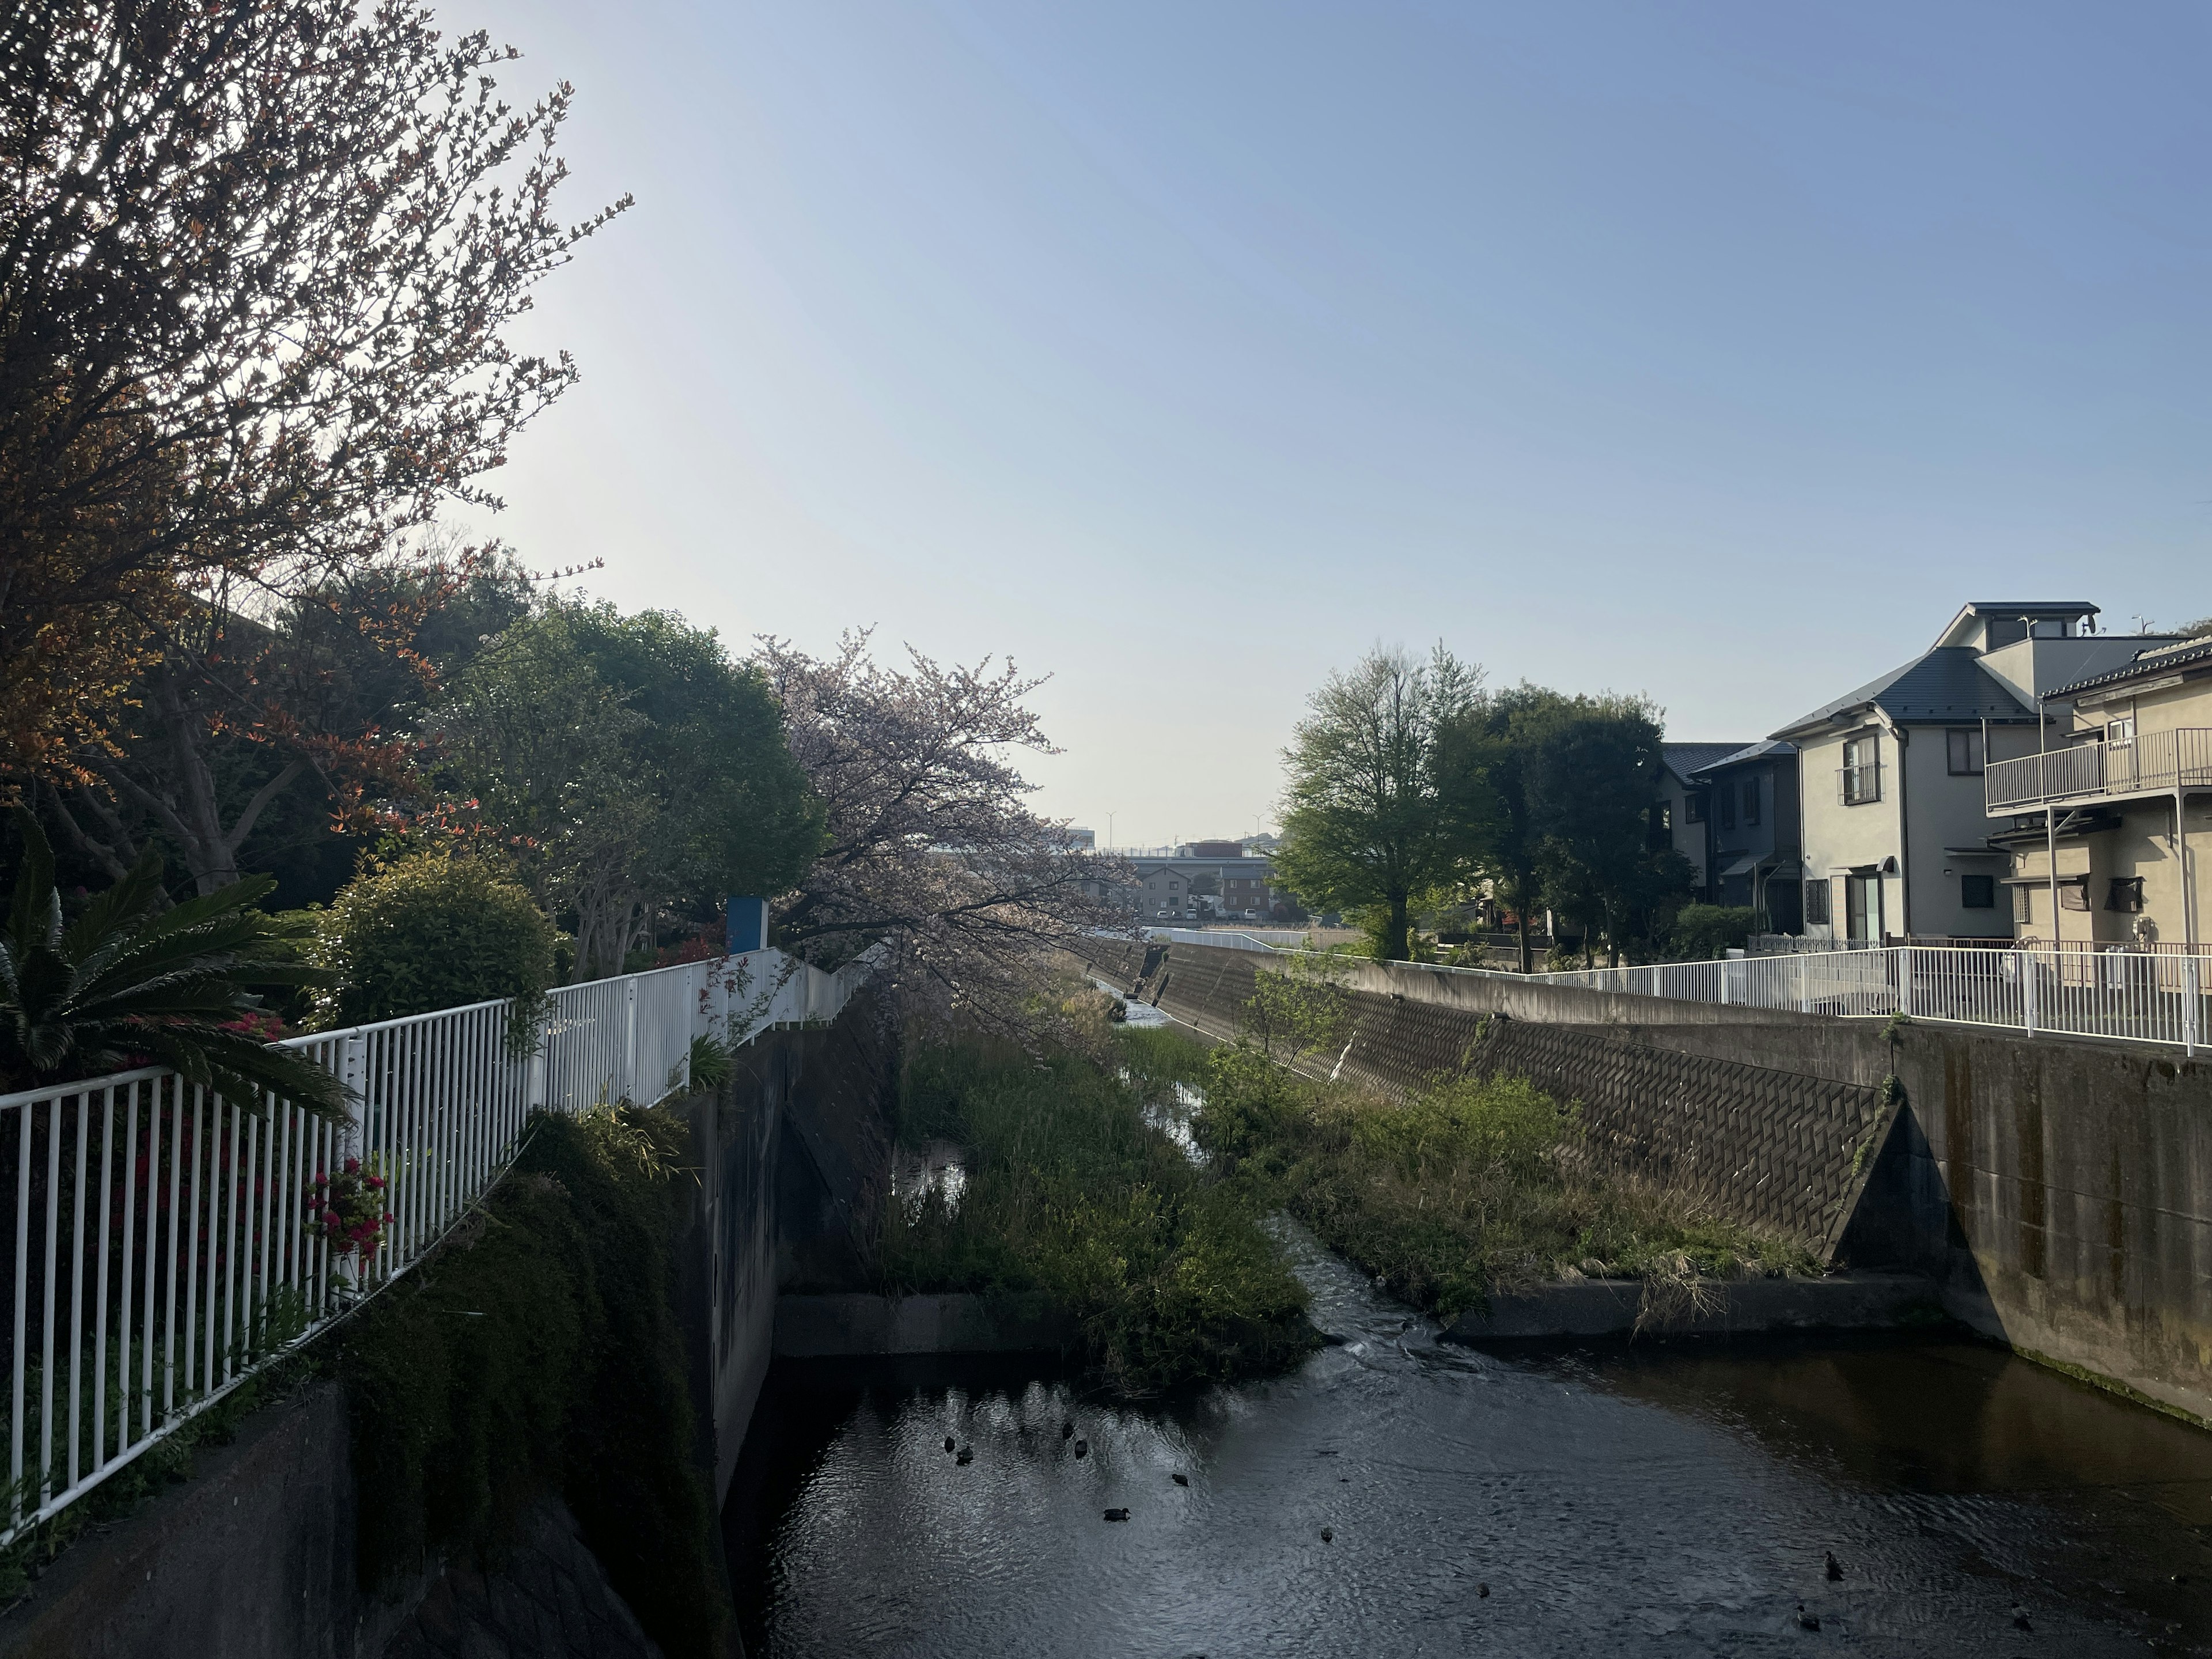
[(1857, 786), (2151, 763)]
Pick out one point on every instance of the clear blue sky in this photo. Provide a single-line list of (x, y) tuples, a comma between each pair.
[(1717, 352)]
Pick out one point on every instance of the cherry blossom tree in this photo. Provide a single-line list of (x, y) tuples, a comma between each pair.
[(931, 850)]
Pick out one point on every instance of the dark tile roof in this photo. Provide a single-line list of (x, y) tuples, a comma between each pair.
[(1686, 760), (1764, 748), (1946, 683), (2156, 661)]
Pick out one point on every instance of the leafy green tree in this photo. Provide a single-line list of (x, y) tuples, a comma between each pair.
[(431, 931), (632, 768), (128, 984), (1386, 797), (1502, 728), (1593, 774)]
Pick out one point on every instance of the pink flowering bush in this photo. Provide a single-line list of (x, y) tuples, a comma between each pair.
[(347, 1208)]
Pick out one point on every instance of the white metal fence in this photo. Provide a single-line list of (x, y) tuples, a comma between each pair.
[(2133, 995), (162, 1246)]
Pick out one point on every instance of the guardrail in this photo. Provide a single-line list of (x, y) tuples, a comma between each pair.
[(1260, 938), (2150, 764), (2136, 996), (163, 1243)]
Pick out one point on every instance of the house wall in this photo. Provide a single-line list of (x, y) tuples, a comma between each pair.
[(1687, 838), (1946, 810), (2141, 847), (1837, 836)]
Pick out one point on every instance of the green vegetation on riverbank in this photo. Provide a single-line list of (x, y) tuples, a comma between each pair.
[(536, 1355), (1078, 1200), (1468, 1187)]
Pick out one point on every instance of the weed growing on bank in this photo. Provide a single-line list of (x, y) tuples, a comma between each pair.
[(539, 1353), (1472, 1185), (1077, 1202)]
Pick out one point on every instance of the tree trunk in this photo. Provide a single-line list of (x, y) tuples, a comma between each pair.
[(1394, 948), (1521, 910)]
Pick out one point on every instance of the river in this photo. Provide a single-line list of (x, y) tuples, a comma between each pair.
[(1656, 1500)]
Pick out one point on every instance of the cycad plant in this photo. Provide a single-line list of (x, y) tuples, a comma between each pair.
[(128, 984)]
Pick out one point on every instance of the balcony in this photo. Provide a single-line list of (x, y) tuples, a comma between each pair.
[(2154, 763)]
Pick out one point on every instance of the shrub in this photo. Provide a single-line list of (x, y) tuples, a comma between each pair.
[(429, 932), (1702, 932)]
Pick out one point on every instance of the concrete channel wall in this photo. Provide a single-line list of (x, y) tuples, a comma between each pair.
[(2058, 1190), (790, 1152)]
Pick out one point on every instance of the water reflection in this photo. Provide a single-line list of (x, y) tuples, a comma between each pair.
[(1645, 1500)]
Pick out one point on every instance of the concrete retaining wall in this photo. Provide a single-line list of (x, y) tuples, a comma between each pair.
[(2059, 1190), (831, 1327), (253, 1558), (789, 1153)]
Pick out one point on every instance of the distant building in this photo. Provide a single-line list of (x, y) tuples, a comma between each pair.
[(1082, 839), (1751, 834)]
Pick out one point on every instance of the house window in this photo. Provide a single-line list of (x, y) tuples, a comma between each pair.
[(1693, 807), (1751, 800), (2074, 895), (1859, 780), (2125, 894), (1978, 892), (1727, 807), (2023, 903), (1816, 903), (2120, 731), (1963, 751)]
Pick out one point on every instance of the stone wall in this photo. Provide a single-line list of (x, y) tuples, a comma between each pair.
[(2059, 1189)]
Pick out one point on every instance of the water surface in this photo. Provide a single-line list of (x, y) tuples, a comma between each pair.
[(1659, 1500)]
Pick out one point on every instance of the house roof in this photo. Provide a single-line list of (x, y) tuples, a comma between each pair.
[(1764, 748), (1956, 631), (1686, 760), (1946, 683), (2156, 660)]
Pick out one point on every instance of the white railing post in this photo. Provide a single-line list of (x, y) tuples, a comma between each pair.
[(629, 1038), (353, 1067), (2192, 1003), (1904, 979), (2026, 961)]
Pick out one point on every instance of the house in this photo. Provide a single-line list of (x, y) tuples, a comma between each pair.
[(1751, 813), (1679, 821), (1164, 894), (2104, 830), (1893, 824)]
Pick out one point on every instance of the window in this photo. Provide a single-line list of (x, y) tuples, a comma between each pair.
[(1751, 800), (1978, 892), (1963, 750), (2125, 894), (2120, 731), (1816, 903), (2023, 903), (2074, 895), (1693, 807), (1727, 806), (1859, 780)]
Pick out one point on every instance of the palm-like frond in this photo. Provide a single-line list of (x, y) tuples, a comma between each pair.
[(124, 984)]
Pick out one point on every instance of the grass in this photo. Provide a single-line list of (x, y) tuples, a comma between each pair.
[(1471, 1186), (1080, 1203)]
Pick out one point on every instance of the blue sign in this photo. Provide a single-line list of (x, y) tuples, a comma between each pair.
[(748, 925)]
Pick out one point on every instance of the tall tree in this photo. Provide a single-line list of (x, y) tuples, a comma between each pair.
[(1386, 797), (259, 265), (1504, 725), (931, 850), (632, 768), (1593, 775)]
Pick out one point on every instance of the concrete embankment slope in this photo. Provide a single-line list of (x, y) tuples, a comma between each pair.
[(2059, 1191)]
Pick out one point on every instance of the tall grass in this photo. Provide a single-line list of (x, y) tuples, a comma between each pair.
[(1075, 1203), (1472, 1185)]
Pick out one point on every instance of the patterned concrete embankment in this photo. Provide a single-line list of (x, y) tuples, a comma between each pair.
[(2058, 1190)]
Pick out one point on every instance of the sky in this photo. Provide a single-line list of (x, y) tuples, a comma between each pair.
[(1185, 352)]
